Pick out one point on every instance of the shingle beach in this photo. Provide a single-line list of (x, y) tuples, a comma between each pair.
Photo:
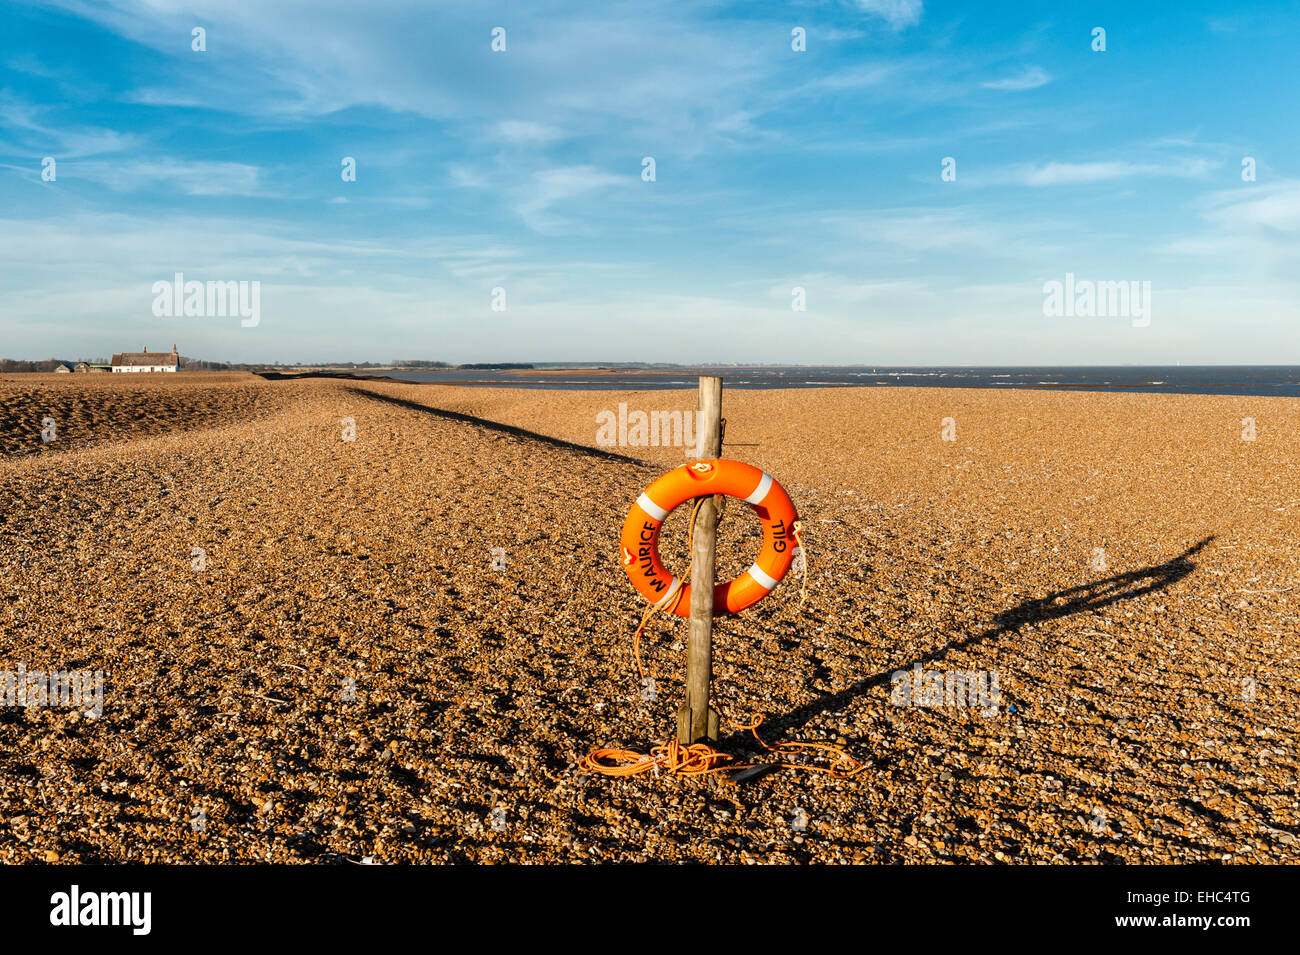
[(398, 648)]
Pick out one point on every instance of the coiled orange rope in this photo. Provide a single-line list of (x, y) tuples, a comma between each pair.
[(701, 759)]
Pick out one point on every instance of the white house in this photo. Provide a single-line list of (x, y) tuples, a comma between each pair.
[(145, 361)]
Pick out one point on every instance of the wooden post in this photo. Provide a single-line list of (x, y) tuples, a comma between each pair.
[(696, 721)]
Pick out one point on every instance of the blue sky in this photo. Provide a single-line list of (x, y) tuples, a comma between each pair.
[(774, 168)]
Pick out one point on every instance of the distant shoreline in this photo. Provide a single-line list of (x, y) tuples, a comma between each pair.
[(1264, 381), (1224, 380)]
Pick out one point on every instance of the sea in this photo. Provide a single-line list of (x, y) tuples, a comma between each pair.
[(1266, 380)]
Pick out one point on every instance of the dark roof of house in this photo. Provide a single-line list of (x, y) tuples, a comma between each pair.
[(129, 358)]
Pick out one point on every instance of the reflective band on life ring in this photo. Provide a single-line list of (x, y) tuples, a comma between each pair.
[(640, 538)]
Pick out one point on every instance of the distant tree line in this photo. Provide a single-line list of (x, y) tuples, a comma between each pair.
[(199, 364), (49, 364)]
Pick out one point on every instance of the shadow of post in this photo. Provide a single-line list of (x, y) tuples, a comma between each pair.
[(500, 428), (1062, 603)]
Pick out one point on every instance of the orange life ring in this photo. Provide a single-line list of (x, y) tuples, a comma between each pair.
[(640, 538)]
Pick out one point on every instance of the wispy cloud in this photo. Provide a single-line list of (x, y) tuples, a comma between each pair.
[(1075, 173), (923, 229), (857, 77), (192, 178), (897, 13), (1274, 208), (38, 134), (550, 187), (1028, 79), (523, 132)]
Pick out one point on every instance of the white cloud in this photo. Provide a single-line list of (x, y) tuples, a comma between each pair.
[(829, 288), (61, 142), (921, 230), (81, 285), (1272, 208), (550, 187), (1072, 173), (1030, 78), (193, 178), (522, 132), (535, 196), (599, 70), (467, 177), (1251, 239), (855, 78), (897, 13), (1067, 173)]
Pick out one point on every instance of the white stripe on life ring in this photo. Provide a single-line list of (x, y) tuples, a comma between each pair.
[(650, 507), (760, 492), (764, 581), (673, 586)]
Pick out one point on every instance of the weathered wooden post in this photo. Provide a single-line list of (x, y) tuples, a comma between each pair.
[(696, 721)]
